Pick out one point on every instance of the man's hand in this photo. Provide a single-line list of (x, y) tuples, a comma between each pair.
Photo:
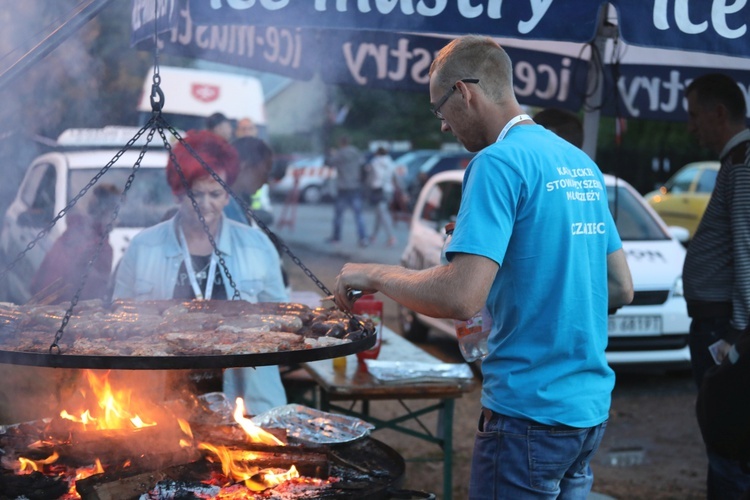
[(353, 277)]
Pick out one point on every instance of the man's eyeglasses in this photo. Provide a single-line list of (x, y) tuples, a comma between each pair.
[(441, 101)]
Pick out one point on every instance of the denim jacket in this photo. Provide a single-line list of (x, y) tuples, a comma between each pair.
[(148, 270)]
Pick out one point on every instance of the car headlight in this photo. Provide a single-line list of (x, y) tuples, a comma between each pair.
[(677, 288)]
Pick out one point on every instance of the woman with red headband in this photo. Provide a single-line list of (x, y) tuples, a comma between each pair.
[(175, 259)]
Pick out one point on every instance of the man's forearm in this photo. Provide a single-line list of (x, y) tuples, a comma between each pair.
[(458, 290)]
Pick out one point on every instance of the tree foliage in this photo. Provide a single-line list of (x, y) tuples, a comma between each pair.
[(91, 79)]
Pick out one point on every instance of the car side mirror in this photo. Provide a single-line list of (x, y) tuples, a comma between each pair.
[(679, 233)]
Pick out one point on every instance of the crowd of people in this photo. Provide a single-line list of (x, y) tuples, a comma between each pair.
[(546, 389)]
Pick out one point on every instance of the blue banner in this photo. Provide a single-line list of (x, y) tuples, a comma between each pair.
[(711, 26), (386, 60), (714, 26), (401, 61), (151, 17), (569, 20), (656, 92)]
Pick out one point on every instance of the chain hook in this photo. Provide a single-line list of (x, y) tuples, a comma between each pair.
[(157, 98)]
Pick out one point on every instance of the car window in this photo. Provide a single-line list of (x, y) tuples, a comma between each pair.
[(634, 221), (449, 163), (681, 181), (43, 202), (149, 197), (706, 181), (441, 204)]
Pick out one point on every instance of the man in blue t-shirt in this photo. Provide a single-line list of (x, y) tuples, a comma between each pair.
[(535, 242)]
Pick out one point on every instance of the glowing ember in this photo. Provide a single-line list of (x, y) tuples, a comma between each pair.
[(237, 466)]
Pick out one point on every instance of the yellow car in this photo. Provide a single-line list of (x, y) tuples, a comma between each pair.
[(682, 200)]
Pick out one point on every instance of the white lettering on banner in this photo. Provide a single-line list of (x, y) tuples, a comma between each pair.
[(468, 9), (381, 54), (280, 46), (147, 11), (662, 95), (538, 9), (720, 11), (526, 75), (246, 4), (415, 63), (586, 228)]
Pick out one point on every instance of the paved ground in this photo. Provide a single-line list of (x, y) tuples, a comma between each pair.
[(313, 225)]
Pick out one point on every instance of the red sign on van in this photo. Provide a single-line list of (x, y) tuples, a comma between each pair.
[(204, 92)]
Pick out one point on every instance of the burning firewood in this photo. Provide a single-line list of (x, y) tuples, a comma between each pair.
[(34, 486)]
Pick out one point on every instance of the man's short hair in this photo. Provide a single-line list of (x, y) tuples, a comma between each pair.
[(215, 119), (253, 152), (562, 122), (718, 88), (474, 56)]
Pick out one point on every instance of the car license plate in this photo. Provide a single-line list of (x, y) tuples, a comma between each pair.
[(634, 325)]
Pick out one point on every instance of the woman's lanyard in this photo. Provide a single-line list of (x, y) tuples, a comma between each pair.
[(191, 272), (513, 121)]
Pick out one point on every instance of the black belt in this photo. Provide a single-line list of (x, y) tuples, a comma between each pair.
[(700, 309)]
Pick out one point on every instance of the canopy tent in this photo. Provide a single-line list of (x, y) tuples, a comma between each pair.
[(575, 54)]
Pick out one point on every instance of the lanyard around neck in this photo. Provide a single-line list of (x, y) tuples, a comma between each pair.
[(513, 121), (191, 271)]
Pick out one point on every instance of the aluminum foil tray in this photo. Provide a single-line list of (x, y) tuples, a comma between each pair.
[(314, 427), (403, 372)]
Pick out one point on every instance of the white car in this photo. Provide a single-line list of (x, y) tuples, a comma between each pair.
[(311, 177), (53, 179), (653, 329)]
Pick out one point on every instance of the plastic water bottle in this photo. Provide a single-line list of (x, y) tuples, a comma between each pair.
[(472, 334)]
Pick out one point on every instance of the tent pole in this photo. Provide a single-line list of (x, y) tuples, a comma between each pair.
[(73, 23), (595, 84)]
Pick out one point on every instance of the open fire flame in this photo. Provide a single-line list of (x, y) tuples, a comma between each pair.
[(114, 407), (113, 412)]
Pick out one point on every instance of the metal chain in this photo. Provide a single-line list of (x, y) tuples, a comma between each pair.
[(72, 203), (160, 125), (249, 213), (104, 237)]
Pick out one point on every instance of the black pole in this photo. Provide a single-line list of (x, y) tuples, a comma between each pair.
[(75, 20)]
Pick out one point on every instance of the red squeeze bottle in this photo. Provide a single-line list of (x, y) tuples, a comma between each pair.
[(370, 308)]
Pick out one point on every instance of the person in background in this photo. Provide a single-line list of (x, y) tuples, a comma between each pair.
[(716, 273), (245, 128), (562, 122), (62, 269), (348, 162), (175, 259), (256, 162), (220, 125), (546, 386), (380, 181)]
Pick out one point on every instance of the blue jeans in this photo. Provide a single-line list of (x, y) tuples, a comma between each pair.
[(727, 478), (348, 198), (519, 459)]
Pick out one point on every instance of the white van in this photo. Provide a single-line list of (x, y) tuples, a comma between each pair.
[(192, 95), (55, 178)]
